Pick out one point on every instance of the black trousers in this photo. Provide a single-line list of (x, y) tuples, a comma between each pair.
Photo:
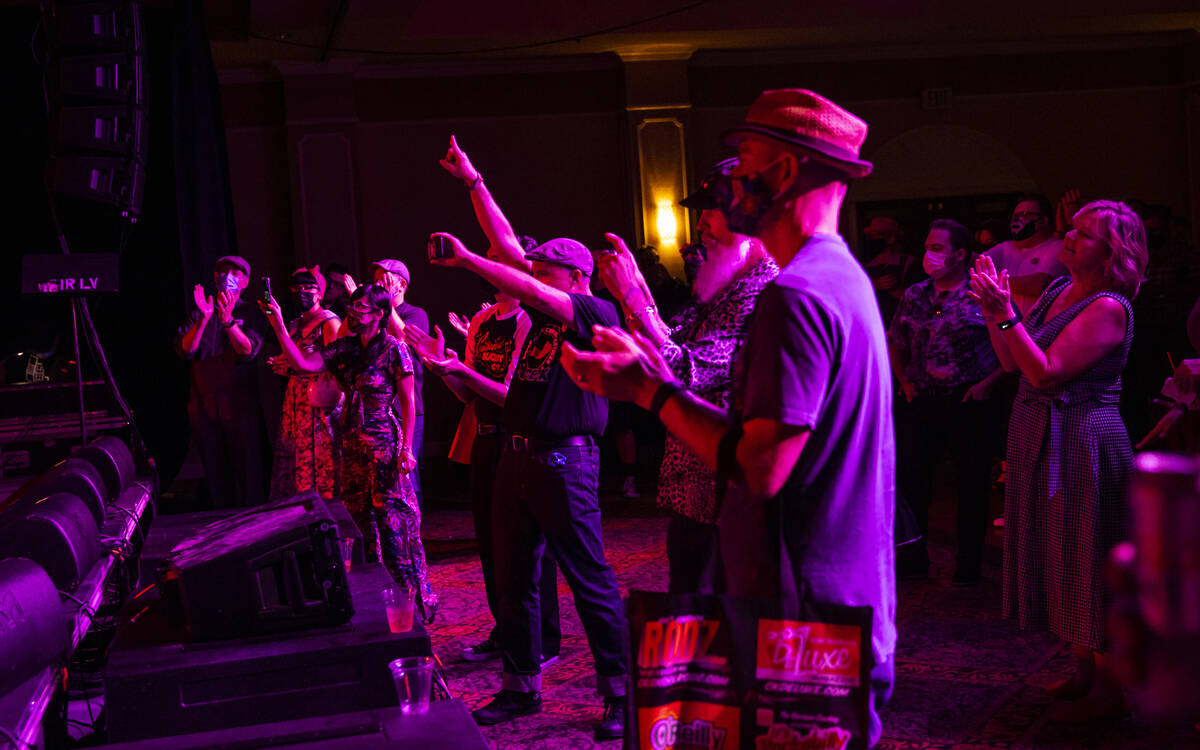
[(228, 430), (926, 429), (547, 500), (485, 455), (694, 557)]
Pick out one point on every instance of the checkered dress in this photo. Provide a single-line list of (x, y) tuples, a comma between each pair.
[(1069, 461)]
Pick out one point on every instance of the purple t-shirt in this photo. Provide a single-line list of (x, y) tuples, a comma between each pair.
[(816, 357)]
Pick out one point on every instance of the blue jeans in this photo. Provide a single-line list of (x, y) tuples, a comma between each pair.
[(547, 501)]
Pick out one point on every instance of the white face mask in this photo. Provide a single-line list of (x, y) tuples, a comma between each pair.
[(937, 264), (227, 282)]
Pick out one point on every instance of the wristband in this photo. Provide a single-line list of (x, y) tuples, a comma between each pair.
[(662, 395), (475, 182), (636, 315), (232, 322), (1005, 325)]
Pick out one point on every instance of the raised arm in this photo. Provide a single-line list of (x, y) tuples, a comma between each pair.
[(189, 341), (1083, 342), (513, 282), (487, 212), (297, 358)]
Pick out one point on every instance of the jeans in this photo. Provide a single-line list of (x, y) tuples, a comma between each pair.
[(547, 501)]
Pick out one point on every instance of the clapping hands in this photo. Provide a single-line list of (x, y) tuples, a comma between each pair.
[(990, 289)]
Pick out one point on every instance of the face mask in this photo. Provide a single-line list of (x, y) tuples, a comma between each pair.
[(304, 300), (227, 282), (937, 264), (1023, 229), (873, 246), (749, 201), (488, 288)]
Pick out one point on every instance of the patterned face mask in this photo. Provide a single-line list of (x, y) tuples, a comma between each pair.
[(748, 200)]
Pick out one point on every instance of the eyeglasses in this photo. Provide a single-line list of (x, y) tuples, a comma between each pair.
[(1026, 214), (363, 309)]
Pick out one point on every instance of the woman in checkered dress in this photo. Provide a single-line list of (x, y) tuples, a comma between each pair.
[(1069, 456)]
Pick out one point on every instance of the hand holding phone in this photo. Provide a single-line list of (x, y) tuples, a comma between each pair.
[(266, 293), (438, 248)]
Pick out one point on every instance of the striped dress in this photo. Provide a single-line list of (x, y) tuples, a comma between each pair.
[(1069, 462)]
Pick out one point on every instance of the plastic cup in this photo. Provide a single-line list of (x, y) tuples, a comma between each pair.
[(413, 676), (347, 551), (398, 603)]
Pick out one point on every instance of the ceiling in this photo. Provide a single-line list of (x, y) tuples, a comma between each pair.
[(255, 32)]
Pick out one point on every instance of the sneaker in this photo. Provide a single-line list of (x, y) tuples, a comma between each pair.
[(612, 724), (629, 489), (507, 705), (549, 661), (482, 651)]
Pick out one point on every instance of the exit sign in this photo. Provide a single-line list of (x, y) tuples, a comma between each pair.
[(935, 99)]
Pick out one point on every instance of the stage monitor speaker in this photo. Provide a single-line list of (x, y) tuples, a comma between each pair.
[(33, 628), (59, 534), (113, 460), (270, 569), (73, 476)]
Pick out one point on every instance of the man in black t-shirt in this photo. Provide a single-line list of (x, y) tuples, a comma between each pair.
[(546, 483), (221, 337)]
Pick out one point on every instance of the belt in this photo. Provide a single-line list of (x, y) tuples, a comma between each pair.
[(522, 444), (487, 429)]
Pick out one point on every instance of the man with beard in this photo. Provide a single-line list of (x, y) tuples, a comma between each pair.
[(1031, 256), (699, 344)]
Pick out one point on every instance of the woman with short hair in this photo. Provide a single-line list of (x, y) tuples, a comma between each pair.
[(1069, 456)]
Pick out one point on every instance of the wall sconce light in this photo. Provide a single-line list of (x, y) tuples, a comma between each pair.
[(663, 184), (665, 223)]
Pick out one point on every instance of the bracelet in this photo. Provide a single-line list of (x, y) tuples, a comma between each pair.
[(662, 395), (637, 314), (475, 182), (1005, 325), (232, 322)]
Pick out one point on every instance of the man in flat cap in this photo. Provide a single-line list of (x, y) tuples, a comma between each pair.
[(223, 407), (812, 436), (546, 483), (393, 276)]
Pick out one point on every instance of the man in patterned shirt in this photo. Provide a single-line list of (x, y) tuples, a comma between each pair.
[(699, 344), (940, 352)]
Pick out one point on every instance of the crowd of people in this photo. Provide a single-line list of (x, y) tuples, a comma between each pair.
[(804, 394)]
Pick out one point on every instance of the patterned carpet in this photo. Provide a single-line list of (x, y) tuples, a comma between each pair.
[(965, 677)]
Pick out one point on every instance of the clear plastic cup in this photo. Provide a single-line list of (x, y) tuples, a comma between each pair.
[(347, 551), (413, 676), (398, 603)]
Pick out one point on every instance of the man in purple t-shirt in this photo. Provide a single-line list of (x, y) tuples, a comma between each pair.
[(811, 436)]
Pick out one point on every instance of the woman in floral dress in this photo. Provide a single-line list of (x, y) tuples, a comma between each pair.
[(306, 456), (374, 370)]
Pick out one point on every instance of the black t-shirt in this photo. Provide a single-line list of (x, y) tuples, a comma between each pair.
[(216, 366), (415, 316), (543, 402), (493, 342)]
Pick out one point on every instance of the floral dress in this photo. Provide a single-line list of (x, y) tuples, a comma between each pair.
[(381, 500), (306, 454)]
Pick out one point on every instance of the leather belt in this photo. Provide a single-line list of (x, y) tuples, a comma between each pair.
[(522, 444), (487, 429)]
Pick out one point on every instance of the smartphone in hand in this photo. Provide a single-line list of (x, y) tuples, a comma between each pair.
[(437, 247), (266, 290)]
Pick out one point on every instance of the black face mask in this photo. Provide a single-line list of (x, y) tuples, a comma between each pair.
[(488, 288), (873, 246), (304, 300)]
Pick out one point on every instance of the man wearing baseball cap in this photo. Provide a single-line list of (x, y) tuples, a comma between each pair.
[(546, 482), (812, 439), (223, 407), (393, 276)]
